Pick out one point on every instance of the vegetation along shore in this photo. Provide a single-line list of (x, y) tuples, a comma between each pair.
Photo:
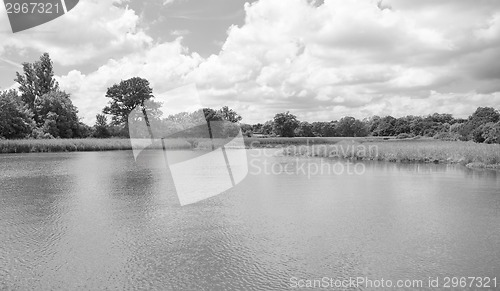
[(40, 117)]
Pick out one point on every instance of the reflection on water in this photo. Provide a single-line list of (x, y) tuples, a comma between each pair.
[(103, 221)]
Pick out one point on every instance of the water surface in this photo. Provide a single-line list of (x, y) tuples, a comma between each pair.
[(99, 220)]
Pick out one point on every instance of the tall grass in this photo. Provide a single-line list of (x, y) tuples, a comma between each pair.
[(63, 145), (285, 141), (421, 151), (363, 148)]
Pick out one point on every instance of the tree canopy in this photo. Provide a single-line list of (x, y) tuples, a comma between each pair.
[(126, 96), (37, 79)]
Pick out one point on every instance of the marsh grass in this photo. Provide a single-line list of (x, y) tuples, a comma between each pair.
[(410, 151), (362, 148), (284, 141), (76, 145)]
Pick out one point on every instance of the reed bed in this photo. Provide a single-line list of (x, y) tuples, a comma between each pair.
[(419, 151), (363, 148), (78, 145)]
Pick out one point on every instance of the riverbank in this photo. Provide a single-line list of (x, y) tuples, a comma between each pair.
[(472, 155), (469, 154), (111, 144)]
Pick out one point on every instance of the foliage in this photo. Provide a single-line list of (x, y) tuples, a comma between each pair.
[(420, 151), (126, 96), (304, 129), (229, 115), (37, 80), (15, 118), (57, 115), (350, 126), (285, 124), (101, 126)]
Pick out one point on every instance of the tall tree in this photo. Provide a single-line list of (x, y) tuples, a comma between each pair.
[(101, 129), (305, 129), (126, 96), (285, 124), (350, 126), (57, 115), (15, 119), (37, 79), (229, 114)]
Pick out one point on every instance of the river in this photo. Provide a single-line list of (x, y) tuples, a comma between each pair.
[(100, 220)]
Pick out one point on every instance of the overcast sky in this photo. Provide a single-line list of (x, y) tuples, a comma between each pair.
[(320, 61)]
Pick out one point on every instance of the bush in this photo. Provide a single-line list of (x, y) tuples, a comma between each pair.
[(405, 135), (448, 136)]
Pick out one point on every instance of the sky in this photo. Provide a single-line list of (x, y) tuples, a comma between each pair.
[(320, 60)]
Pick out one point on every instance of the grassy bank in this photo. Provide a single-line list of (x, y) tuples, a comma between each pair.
[(94, 144), (363, 148), (62, 145), (418, 151)]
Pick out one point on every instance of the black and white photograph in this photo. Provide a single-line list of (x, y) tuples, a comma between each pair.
[(249, 145)]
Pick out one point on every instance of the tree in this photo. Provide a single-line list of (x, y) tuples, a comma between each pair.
[(15, 118), (350, 126), (386, 127), (57, 115), (491, 132), (126, 96), (267, 127), (101, 126), (285, 124), (37, 80), (373, 123), (305, 129), (472, 128), (229, 115)]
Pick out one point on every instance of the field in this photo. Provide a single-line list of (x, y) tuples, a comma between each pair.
[(362, 148)]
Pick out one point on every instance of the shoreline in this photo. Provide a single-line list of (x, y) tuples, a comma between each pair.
[(468, 154)]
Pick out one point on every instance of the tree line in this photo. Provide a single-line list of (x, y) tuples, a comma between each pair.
[(39, 109), (483, 126)]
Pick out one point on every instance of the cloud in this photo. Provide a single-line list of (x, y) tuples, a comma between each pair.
[(94, 31), (164, 65), (357, 57), (319, 60)]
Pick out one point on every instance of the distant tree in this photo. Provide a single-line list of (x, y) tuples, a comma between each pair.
[(101, 126), (386, 127), (15, 118), (350, 126), (229, 115), (246, 129), (402, 125), (491, 132), (267, 127), (442, 118), (472, 128), (257, 128), (126, 96), (212, 115), (285, 124), (37, 80), (305, 129), (57, 115), (84, 130), (372, 124)]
